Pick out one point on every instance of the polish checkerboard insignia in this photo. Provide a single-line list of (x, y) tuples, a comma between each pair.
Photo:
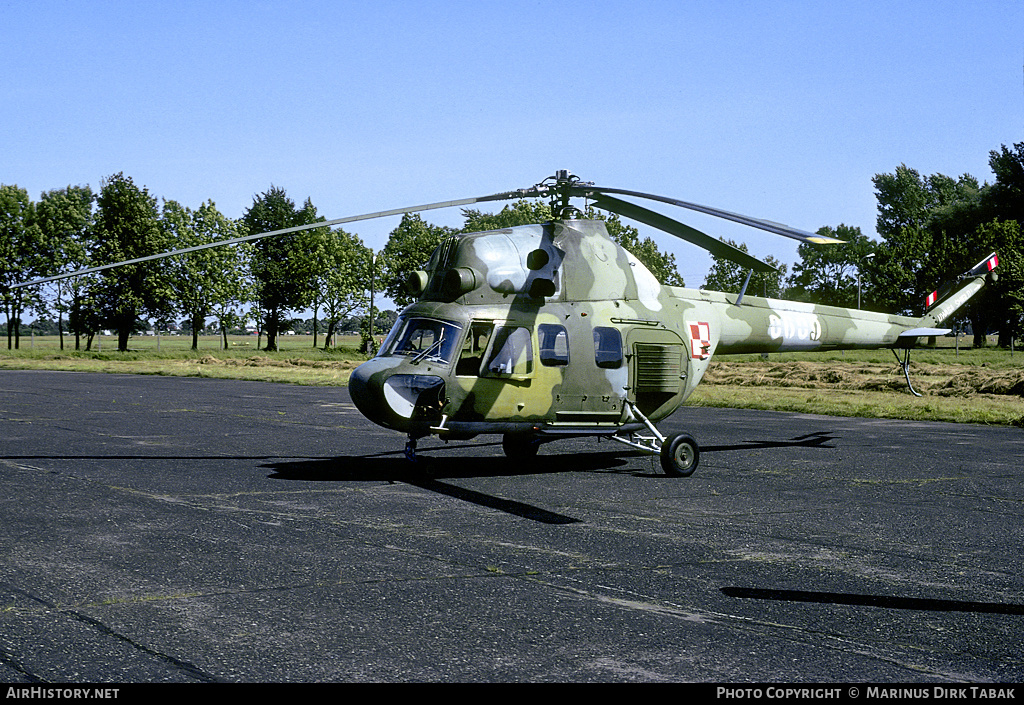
[(700, 340)]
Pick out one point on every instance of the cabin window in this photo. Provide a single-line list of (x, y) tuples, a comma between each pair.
[(511, 352), (422, 338), (607, 347), (554, 344), (473, 347)]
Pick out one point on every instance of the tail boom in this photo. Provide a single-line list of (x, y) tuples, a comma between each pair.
[(760, 325)]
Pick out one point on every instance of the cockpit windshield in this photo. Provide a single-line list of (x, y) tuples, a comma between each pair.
[(423, 339)]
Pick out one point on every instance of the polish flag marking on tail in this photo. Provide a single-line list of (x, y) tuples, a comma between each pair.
[(700, 340), (986, 265)]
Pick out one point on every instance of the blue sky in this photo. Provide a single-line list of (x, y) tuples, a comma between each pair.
[(777, 109)]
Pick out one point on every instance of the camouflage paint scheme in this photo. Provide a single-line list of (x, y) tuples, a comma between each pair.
[(579, 336)]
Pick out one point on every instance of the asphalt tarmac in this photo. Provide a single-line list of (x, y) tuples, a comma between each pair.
[(194, 530)]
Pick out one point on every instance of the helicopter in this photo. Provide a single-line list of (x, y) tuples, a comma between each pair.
[(551, 331)]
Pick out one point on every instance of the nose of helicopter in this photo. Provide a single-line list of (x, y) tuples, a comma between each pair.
[(387, 397), (365, 388)]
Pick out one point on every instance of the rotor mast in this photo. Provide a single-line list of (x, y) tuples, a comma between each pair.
[(561, 188)]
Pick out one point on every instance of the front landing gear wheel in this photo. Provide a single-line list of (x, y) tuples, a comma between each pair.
[(679, 455)]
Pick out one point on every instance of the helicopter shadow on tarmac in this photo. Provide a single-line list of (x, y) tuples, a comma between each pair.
[(429, 472), (392, 466), (433, 467), (896, 602), (818, 439)]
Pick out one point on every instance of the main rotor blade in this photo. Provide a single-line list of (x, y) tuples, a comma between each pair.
[(259, 236), (685, 232), (777, 228)]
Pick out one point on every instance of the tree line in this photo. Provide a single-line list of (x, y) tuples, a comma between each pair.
[(931, 228), (73, 228)]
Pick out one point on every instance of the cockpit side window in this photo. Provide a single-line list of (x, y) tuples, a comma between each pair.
[(554, 344), (607, 347), (392, 336), (473, 347), (511, 352)]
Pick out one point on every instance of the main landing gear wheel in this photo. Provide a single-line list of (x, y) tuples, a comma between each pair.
[(680, 455), (519, 447)]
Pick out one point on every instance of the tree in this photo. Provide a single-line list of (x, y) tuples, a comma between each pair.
[(1001, 304), (915, 251), (937, 227), (728, 276), (522, 212), (65, 217), (230, 312), (829, 274), (283, 266), (1004, 202), (206, 280), (343, 278), (22, 256), (408, 249), (1006, 196), (128, 227)]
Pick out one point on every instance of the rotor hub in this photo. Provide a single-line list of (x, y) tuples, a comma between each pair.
[(560, 189)]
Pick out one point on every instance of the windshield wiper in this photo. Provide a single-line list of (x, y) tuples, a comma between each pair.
[(420, 356)]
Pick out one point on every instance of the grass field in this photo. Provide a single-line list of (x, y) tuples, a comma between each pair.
[(968, 386), (296, 361)]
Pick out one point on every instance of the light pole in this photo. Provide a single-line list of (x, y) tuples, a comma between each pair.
[(859, 264), (371, 346)]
